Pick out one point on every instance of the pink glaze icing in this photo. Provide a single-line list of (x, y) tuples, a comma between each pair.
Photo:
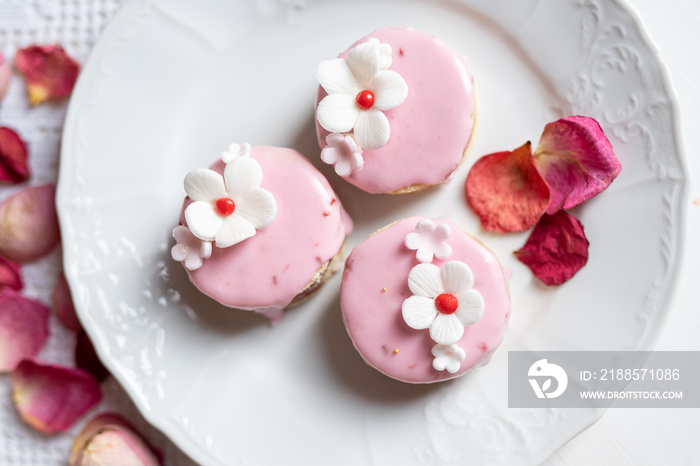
[(269, 269), (375, 284), (431, 128)]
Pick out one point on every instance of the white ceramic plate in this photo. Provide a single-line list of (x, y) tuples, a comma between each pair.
[(173, 82)]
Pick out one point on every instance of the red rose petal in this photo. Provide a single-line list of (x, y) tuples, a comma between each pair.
[(110, 439), (13, 157), (86, 357), (51, 398), (28, 223), (556, 249), (576, 159), (50, 72), (63, 304), (9, 274), (506, 191), (23, 328), (5, 75)]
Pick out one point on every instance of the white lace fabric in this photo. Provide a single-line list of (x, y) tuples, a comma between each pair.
[(75, 25)]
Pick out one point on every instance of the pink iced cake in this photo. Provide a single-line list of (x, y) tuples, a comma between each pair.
[(261, 229), (395, 112), (423, 301)]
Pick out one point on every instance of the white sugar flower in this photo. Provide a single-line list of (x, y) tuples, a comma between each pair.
[(189, 249), (448, 357), (443, 300), (234, 151), (359, 90), (429, 240), (228, 209), (342, 152)]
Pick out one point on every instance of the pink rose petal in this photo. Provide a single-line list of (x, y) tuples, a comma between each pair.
[(28, 223), (50, 72), (86, 357), (108, 440), (13, 157), (23, 328), (556, 249), (506, 191), (51, 398), (10, 275), (576, 159), (63, 305), (5, 75)]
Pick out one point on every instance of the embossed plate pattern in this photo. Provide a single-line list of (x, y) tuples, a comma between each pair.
[(171, 83)]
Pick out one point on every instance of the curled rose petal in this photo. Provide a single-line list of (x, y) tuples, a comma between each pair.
[(556, 249), (86, 357), (13, 157), (5, 75), (63, 304), (50, 72), (109, 439), (28, 223), (506, 191), (576, 160), (9, 274), (23, 328), (51, 398)]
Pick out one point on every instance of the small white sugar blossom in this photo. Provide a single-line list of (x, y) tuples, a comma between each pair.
[(234, 151), (189, 249), (429, 240), (443, 300), (359, 90), (343, 153), (448, 357), (230, 208)]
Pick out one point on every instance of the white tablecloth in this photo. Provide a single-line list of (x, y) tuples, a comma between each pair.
[(621, 437), (75, 24)]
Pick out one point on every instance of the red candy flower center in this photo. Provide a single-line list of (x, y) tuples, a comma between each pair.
[(365, 99), (446, 303), (225, 206)]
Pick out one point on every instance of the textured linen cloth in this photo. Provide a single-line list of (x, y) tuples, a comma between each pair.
[(76, 25)]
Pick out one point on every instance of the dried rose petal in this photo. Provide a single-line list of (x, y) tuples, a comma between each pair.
[(50, 72), (24, 328), (28, 223), (51, 398), (13, 157), (5, 75), (506, 191), (86, 357), (108, 440), (556, 249), (576, 160), (63, 304), (9, 274)]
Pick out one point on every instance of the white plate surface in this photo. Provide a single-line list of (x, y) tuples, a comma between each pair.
[(173, 82)]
